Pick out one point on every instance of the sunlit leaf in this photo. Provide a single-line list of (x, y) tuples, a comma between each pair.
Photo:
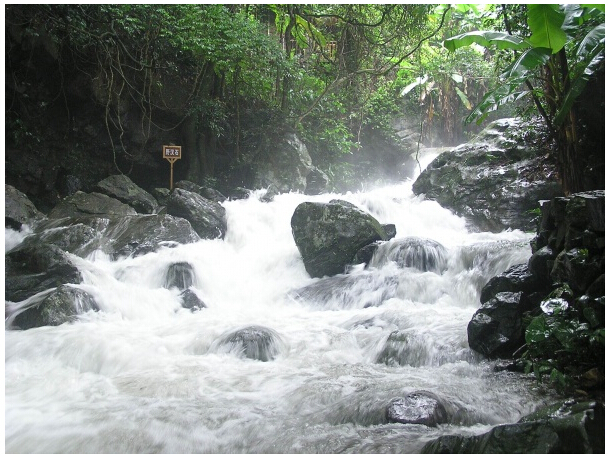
[(545, 22), (486, 39)]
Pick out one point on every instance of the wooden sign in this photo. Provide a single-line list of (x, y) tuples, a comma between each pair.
[(172, 154), (169, 152)]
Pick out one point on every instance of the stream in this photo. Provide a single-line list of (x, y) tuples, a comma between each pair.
[(144, 375)]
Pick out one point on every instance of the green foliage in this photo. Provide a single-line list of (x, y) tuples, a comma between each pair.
[(561, 344)]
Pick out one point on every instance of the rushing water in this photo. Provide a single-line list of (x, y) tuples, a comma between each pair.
[(144, 375)]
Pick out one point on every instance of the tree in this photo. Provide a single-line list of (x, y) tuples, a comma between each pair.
[(553, 65)]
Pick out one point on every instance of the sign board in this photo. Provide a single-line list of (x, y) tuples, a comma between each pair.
[(173, 152)]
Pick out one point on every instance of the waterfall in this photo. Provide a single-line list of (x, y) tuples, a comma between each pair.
[(275, 362)]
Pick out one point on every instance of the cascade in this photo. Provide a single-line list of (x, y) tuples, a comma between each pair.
[(272, 361)]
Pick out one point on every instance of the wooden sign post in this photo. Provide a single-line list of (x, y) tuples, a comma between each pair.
[(172, 154)]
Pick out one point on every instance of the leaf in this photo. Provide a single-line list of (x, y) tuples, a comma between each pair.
[(419, 81), (524, 65), (545, 22), (463, 98), (486, 39), (592, 40)]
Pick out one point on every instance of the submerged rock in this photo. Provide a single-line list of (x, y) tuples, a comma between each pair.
[(419, 407), (191, 301), (179, 275), (328, 236), (59, 307), (423, 254), (252, 342)]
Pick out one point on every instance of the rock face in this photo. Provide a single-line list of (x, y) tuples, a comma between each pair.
[(123, 189), (494, 180), (288, 168), (18, 209), (329, 235), (208, 218), (575, 428)]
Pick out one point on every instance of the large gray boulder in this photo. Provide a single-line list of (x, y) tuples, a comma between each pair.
[(92, 204), (18, 209), (328, 235), (495, 179), (123, 189), (208, 218)]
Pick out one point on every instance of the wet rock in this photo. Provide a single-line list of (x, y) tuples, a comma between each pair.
[(33, 269), (161, 195), (365, 254), (61, 306), (92, 204), (123, 189), (328, 236), (188, 185), (541, 263), (400, 350), (561, 429), (252, 342), (190, 300), (208, 218), (116, 236), (515, 279), (179, 275), (495, 179), (496, 330), (18, 209), (425, 255), (390, 230), (419, 407), (577, 269)]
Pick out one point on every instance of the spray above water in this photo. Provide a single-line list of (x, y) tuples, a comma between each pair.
[(271, 361)]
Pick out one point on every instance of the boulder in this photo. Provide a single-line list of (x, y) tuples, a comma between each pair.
[(33, 269), (496, 330), (328, 236), (61, 306), (92, 204), (18, 209), (252, 342), (516, 278), (419, 407), (574, 428), (577, 269), (495, 179), (208, 218), (123, 189)]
